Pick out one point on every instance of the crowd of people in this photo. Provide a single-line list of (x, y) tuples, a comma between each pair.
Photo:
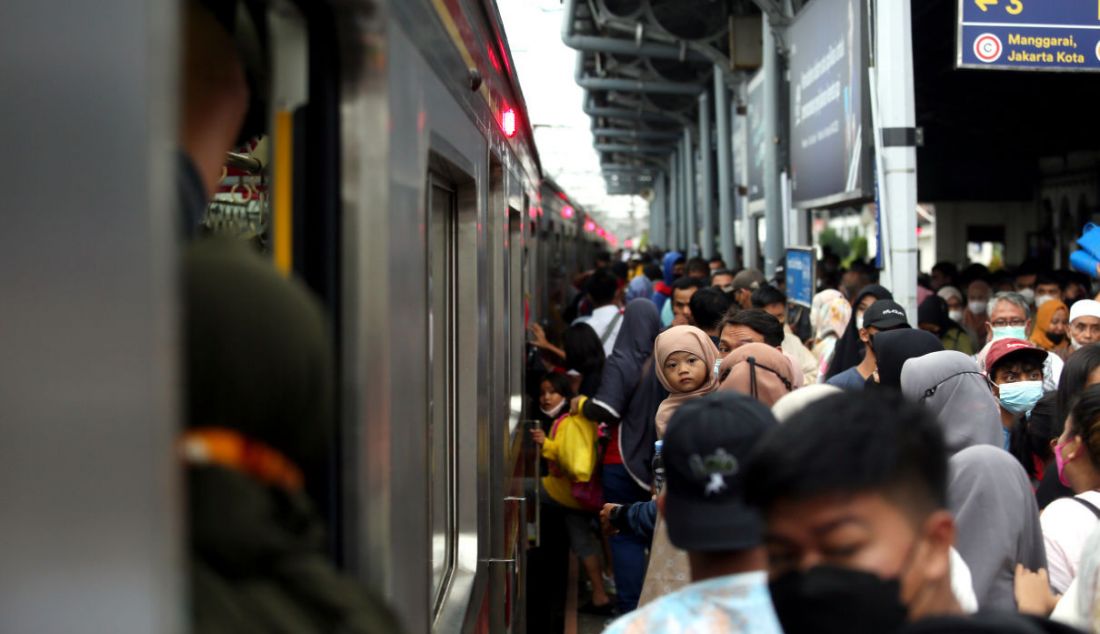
[(709, 463)]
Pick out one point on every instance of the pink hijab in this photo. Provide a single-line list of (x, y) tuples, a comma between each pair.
[(758, 370), (682, 339)]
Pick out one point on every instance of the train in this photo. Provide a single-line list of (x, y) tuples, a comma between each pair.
[(398, 179)]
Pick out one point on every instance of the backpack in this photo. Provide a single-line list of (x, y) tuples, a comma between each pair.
[(576, 455)]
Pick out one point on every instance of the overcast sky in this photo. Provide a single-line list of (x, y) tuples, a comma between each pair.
[(562, 130)]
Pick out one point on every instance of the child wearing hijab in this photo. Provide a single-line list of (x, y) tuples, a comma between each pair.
[(685, 359)]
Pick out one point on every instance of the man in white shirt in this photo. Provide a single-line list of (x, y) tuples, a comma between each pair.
[(1010, 318), (606, 317)]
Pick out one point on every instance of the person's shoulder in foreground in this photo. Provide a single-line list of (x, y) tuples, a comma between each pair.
[(734, 603), (993, 623), (849, 379)]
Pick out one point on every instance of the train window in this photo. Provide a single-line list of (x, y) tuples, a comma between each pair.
[(517, 301), (442, 213)]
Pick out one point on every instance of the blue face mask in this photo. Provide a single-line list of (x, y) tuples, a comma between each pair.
[(1021, 397), (1009, 332)]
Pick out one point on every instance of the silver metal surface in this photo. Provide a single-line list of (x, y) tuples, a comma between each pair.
[(725, 168), (89, 396), (773, 195), (706, 188), (690, 186)]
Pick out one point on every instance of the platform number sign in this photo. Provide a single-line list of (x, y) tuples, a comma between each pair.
[(1050, 35)]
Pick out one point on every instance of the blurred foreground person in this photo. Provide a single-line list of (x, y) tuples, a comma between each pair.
[(708, 442), (998, 522), (259, 415), (858, 530)]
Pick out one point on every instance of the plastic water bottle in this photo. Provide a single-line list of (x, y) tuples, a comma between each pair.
[(658, 468)]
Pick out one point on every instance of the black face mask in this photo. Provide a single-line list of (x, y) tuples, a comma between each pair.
[(1055, 338), (828, 599)]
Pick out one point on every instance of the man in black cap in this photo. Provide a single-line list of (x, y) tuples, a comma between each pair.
[(707, 443), (882, 316)]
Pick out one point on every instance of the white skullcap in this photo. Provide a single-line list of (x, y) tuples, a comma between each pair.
[(947, 292), (1084, 308), (796, 401)]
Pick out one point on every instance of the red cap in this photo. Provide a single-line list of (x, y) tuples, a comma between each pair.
[(1005, 347)]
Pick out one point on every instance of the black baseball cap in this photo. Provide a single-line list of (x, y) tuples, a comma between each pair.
[(885, 314), (706, 446)]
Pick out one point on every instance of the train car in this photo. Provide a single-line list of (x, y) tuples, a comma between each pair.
[(398, 178)]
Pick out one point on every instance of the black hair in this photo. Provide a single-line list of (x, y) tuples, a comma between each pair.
[(685, 282), (1086, 421), (583, 349), (948, 269), (759, 321), (719, 260), (1028, 365), (697, 264), (1030, 437), (1046, 278), (621, 270), (602, 286), (603, 256), (876, 443), (767, 295), (560, 382), (1028, 267), (708, 307), (653, 272), (1075, 375)]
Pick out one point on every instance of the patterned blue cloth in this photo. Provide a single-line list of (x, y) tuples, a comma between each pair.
[(735, 604)]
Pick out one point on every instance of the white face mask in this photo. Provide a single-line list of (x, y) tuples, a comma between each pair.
[(1042, 299), (955, 315), (977, 306), (1028, 294), (554, 411), (859, 321)]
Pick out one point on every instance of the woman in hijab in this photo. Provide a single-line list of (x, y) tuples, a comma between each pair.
[(849, 350), (627, 402), (997, 521), (828, 318), (932, 315), (952, 387), (685, 358), (893, 348), (1051, 322), (758, 370)]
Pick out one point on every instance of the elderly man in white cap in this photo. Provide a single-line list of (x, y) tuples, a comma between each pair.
[(1084, 323)]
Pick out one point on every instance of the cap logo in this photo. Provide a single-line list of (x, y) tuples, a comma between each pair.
[(893, 311), (714, 468)]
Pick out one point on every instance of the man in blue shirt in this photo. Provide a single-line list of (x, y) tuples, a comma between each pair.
[(705, 447), (883, 315)]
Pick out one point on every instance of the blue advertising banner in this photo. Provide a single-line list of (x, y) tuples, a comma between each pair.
[(828, 104), (1053, 35), (800, 276)]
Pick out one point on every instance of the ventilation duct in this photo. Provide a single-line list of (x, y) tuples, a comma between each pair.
[(695, 20), (672, 70), (622, 9)]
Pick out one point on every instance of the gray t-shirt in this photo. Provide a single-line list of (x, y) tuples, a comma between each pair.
[(849, 379)]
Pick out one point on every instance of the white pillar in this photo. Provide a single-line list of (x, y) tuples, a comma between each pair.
[(896, 125)]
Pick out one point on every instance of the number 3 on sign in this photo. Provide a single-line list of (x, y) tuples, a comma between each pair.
[(1015, 7)]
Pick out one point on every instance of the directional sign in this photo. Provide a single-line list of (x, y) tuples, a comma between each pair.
[(800, 275), (1056, 35)]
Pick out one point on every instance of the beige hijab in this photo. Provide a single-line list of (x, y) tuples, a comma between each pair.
[(758, 370), (683, 339)]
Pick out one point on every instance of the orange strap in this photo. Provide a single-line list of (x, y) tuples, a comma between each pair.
[(230, 449)]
